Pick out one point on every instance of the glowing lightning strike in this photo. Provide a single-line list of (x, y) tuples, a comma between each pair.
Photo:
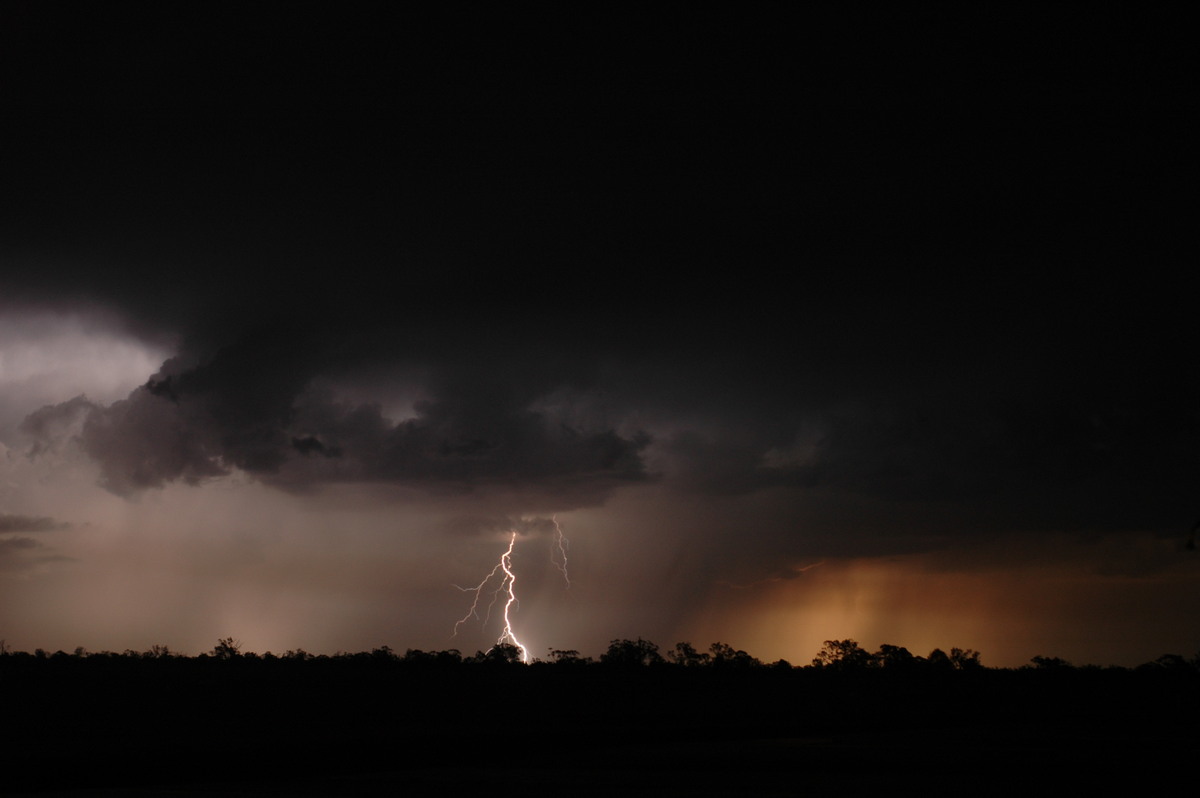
[(562, 544), (558, 556), (508, 582)]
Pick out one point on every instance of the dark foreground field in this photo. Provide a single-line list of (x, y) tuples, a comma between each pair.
[(378, 725)]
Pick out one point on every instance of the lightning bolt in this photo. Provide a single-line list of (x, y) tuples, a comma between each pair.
[(561, 544), (507, 583)]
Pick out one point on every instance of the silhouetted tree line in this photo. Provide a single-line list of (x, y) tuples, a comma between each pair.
[(841, 656), (835, 655)]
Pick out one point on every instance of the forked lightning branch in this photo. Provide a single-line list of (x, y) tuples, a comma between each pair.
[(507, 586)]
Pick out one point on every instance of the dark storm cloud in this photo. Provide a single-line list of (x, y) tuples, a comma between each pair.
[(899, 284), (715, 462), (970, 420), (249, 407), (1068, 461), (1018, 452)]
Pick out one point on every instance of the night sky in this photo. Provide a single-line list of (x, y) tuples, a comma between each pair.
[(874, 328)]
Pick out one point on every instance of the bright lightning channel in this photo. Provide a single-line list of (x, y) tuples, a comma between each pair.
[(561, 544), (507, 583), (558, 556)]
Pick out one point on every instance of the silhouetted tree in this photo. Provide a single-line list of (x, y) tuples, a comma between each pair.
[(894, 658), (938, 660), (965, 659), (686, 654), (726, 656), (842, 655), (631, 653), (227, 648), (1050, 663), (566, 657), (416, 656), (499, 654), (451, 656), (1172, 662), (383, 654)]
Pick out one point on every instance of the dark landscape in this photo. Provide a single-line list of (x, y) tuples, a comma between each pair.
[(634, 722)]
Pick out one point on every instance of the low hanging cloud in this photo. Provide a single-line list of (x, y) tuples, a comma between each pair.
[(252, 407), (14, 553), (28, 523), (19, 552), (22, 554)]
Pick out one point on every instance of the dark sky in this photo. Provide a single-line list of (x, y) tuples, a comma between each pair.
[(302, 309)]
